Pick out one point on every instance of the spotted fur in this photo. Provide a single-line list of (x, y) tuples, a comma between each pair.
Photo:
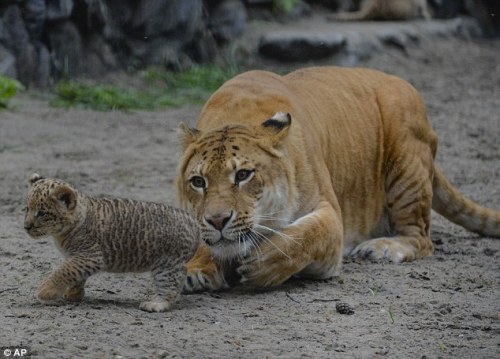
[(108, 234), (285, 174)]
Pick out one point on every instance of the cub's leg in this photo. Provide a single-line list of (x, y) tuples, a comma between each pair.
[(75, 293), (310, 246), (409, 203), (204, 272), (68, 278), (168, 281)]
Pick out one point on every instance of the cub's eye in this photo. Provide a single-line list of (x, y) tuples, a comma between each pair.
[(197, 182), (40, 214), (242, 175)]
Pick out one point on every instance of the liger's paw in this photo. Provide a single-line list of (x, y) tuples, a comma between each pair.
[(155, 306), (198, 281), (269, 268), (384, 249), (48, 292)]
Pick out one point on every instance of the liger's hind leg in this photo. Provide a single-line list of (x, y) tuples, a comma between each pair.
[(409, 203)]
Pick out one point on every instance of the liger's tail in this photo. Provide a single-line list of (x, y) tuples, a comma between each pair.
[(450, 203)]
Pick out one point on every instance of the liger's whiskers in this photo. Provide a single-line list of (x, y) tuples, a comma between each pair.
[(260, 235), (255, 244), (278, 233), (271, 217)]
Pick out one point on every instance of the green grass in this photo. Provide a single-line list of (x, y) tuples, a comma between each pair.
[(284, 6), (166, 89), (391, 315), (8, 89)]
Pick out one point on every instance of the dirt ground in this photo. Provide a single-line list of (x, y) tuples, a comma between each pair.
[(444, 306)]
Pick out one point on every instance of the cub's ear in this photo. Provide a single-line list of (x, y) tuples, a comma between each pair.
[(277, 127), (187, 135), (33, 178), (65, 195)]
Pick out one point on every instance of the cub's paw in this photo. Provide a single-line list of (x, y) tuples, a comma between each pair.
[(74, 294), (198, 281), (155, 306), (390, 249), (48, 292)]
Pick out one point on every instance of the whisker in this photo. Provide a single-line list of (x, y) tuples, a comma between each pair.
[(278, 233), (255, 244), (260, 235), (270, 217)]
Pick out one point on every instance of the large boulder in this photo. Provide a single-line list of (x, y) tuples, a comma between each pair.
[(227, 20), (291, 46)]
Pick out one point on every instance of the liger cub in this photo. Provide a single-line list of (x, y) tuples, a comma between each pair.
[(286, 174), (108, 234)]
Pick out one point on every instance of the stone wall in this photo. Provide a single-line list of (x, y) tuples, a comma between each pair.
[(44, 40)]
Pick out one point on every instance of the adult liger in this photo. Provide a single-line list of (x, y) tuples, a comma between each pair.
[(286, 174)]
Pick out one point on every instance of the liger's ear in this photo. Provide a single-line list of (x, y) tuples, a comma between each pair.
[(33, 178), (65, 195), (277, 127), (187, 135)]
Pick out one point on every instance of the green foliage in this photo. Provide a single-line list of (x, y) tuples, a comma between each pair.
[(8, 88), (101, 98), (285, 6), (168, 89)]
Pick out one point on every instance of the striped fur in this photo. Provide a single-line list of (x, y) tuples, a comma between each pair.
[(109, 234), (341, 162)]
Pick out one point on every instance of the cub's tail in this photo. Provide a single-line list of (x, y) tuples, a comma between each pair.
[(450, 203)]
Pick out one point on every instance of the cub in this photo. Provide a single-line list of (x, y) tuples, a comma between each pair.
[(107, 234)]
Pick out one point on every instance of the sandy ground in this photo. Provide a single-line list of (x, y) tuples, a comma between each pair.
[(445, 306)]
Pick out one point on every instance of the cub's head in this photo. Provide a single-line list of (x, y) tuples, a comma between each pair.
[(52, 207), (239, 183)]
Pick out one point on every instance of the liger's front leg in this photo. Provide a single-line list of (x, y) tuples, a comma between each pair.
[(204, 272), (311, 246)]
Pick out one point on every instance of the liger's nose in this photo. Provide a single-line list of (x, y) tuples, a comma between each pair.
[(219, 220)]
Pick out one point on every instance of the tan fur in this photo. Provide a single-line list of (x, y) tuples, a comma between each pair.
[(350, 171), (386, 10), (114, 235)]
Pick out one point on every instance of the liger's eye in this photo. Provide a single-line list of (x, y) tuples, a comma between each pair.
[(197, 182), (242, 175)]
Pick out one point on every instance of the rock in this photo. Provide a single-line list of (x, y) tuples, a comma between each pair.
[(487, 13), (58, 9), (34, 17), (447, 9), (167, 54), (227, 20), (7, 63), (3, 32), (290, 46), (111, 18), (338, 5), (18, 41), (99, 57), (180, 19), (42, 70), (203, 49), (396, 37), (66, 47)]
